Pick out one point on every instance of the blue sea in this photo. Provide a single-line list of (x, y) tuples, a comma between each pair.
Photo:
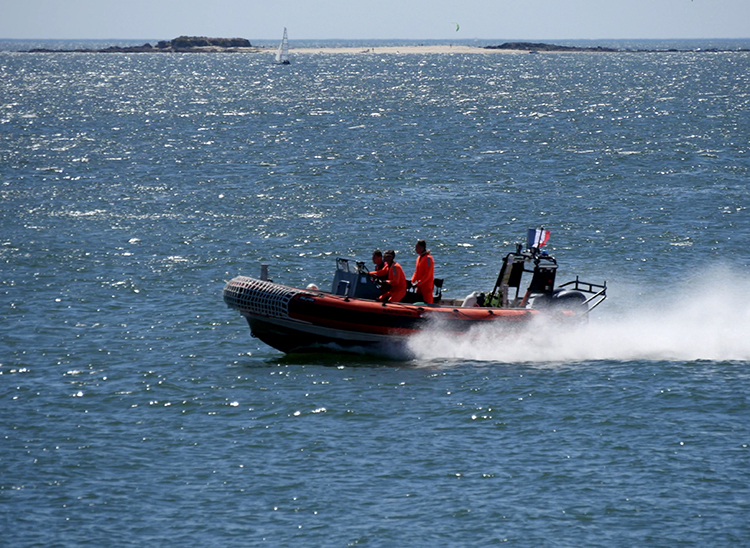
[(137, 410)]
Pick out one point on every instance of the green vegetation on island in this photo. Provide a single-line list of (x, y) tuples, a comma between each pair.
[(181, 44)]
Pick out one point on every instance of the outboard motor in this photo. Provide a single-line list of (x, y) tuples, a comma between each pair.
[(568, 299)]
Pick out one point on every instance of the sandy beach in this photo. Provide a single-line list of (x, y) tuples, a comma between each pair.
[(400, 50)]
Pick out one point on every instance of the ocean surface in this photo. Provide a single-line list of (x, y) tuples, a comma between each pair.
[(137, 410)]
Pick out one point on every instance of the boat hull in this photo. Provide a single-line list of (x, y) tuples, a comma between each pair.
[(292, 338), (295, 320)]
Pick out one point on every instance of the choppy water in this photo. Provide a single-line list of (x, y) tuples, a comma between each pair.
[(136, 409)]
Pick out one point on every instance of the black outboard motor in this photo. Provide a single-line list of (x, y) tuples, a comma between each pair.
[(569, 299)]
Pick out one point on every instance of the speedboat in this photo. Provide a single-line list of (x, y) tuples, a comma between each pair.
[(350, 318)]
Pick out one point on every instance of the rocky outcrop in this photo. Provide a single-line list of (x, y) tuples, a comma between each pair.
[(181, 44), (531, 46), (187, 42)]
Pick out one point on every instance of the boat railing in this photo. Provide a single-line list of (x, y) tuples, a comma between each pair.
[(597, 292)]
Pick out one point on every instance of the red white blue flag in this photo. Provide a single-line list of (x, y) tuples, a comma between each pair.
[(537, 238)]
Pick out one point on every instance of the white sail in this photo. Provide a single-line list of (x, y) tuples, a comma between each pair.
[(282, 54)]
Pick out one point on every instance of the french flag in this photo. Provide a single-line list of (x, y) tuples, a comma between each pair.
[(537, 238)]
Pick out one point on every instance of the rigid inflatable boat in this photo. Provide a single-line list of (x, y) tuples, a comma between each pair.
[(349, 318)]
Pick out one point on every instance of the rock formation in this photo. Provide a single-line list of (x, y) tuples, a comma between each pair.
[(181, 44)]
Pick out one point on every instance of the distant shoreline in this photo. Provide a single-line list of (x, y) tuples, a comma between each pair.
[(181, 44), (193, 44)]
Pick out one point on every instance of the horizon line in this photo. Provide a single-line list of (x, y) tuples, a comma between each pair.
[(449, 40)]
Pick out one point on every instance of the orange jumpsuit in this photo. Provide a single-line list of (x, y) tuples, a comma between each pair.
[(396, 284), (382, 273), (424, 275)]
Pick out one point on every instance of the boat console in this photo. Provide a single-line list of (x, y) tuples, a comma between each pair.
[(352, 279)]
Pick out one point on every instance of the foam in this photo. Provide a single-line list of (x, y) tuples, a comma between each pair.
[(707, 319)]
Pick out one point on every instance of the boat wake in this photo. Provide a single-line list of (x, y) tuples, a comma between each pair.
[(697, 321)]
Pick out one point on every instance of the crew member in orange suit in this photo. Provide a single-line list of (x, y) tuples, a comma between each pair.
[(424, 273), (381, 267), (396, 283)]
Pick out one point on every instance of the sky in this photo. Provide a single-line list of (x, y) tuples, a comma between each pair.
[(503, 20)]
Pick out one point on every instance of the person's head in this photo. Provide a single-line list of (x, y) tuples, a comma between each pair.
[(377, 257), (389, 256), (421, 247)]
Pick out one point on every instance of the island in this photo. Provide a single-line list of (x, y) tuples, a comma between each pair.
[(533, 47), (181, 44), (539, 47)]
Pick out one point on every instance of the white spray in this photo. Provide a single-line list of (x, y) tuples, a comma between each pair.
[(699, 320)]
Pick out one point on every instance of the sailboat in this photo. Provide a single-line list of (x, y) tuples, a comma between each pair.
[(282, 54)]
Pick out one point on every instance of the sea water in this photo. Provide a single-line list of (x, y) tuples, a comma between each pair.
[(136, 409)]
